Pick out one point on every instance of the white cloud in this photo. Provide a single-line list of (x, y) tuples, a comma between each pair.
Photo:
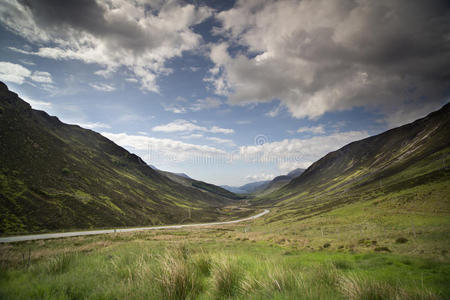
[(198, 105), (313, 129), (316, 56), (92, 125), (207, 103), (216, 129), (192, 136), (13, 72), (181, 125), (131, 79), (140, 35), (37, 104), (156, 150), (259, 177), (103, 87), (286, 167), (16, 73), (175, 108), (40, 76), (298, 152), (217, 140), (27, 62), (274, 112)]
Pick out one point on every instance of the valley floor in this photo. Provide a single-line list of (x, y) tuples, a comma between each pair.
[(240, 261)]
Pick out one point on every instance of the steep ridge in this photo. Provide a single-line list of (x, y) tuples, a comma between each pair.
[(401, 158), (59, 176)]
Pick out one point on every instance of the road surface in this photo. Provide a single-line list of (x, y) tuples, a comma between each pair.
[(78, 233)]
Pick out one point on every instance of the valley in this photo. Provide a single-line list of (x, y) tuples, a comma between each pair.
[(368, 221)]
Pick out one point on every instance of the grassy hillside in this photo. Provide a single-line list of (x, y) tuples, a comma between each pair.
[(278, 182), (400, 161), (59, 176)]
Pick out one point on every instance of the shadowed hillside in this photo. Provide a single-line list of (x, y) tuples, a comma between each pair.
[(59, 176)]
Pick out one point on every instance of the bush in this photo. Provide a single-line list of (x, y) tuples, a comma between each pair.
[(401, 240), (65, 171)]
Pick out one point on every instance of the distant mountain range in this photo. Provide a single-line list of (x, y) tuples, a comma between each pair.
[(59, 176), (267, 186)]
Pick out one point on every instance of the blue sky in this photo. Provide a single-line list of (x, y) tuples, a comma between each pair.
[(228, 92)]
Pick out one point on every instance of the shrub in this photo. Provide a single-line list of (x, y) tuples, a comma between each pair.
[(401, 240), (65, 171), (382, 249)]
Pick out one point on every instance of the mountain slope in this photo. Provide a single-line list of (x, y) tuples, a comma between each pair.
[(278, 182), (401, 160), (59, 176)]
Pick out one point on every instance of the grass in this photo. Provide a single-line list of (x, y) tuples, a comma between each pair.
[(203, 265)]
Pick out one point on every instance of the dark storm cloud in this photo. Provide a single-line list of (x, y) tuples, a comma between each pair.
[(139, 35), (79, 14), (318, 56)]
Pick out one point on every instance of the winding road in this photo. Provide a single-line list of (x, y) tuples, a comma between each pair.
[(45, 236)]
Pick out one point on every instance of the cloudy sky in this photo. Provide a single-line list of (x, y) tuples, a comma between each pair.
[(229, 92)]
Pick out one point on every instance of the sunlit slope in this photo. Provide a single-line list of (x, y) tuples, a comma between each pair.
[(59, 176), (405, 162)]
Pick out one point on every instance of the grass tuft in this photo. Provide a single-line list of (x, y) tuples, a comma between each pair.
[(227, 277), (360, 288), (177, 279)]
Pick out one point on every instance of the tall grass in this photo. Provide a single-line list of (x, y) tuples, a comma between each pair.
[(356, 287), (227, 277), (150, 270), (178, 278)]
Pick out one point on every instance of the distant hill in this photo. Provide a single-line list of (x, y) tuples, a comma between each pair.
[(278, 182), (56, 176), (404, 161), (266, 186), (246, 188), (187, 181)]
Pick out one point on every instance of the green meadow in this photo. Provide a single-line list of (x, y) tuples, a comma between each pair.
[(245, 261)]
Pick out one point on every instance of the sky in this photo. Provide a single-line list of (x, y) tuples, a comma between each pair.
[(229, 92)]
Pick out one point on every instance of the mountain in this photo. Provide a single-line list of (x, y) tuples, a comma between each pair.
[(183, 175), (56, 176), (185, 180), (278, 182), (266, 186), (246, 188), (403, 162), (233, 189)]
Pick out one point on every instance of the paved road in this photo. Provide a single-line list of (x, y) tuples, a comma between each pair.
[(78, 233)]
